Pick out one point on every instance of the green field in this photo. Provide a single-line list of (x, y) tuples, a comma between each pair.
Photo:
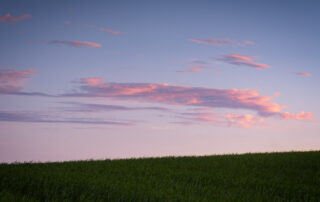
[(291, 176)]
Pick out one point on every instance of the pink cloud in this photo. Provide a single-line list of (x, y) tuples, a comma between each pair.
[(110, 31), (92, 81), (225, 119), (302, 116), (240, 120), (195, 67), (9, 17), (102, 29), (192, 118), (303, 73), (248, 43), (243, 120), (185, 96), (220, 42), (67, 22), (76, 43), (13, 80), (245, 60), (276, 94)]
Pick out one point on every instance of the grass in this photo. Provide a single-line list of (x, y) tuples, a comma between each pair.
[(291, 176)]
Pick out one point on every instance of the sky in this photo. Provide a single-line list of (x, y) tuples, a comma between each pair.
[(126, 79)]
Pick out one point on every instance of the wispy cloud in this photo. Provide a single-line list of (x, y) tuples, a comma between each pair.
[(74, 43), (21, 93), (11, 81), (102, 29), (303, 74), (206, 98), (184, 96), (92, 81), (307, 116), (223, 119), (9, 18), (220, 42), (31, 117), (244, 60), (243, 120), (196, 66), (86, 107), (109, 31)]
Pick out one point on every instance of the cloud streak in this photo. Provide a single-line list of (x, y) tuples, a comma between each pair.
[(307, 74), (11, 81), (102, 29), (86, 107), (239, 120), (92, 81), (187, 96), (243, 120), (195, 66), (109, 31), (224, 119), (244, 60), (36, 118), (302, 116), (220, 42), (9, 18), (76, 44)]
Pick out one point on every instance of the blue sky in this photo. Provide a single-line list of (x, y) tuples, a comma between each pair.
[(110, 62)]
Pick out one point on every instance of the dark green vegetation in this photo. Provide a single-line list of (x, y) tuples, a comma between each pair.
[(292, 176)]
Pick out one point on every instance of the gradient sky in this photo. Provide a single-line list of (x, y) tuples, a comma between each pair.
[(121, 79)]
